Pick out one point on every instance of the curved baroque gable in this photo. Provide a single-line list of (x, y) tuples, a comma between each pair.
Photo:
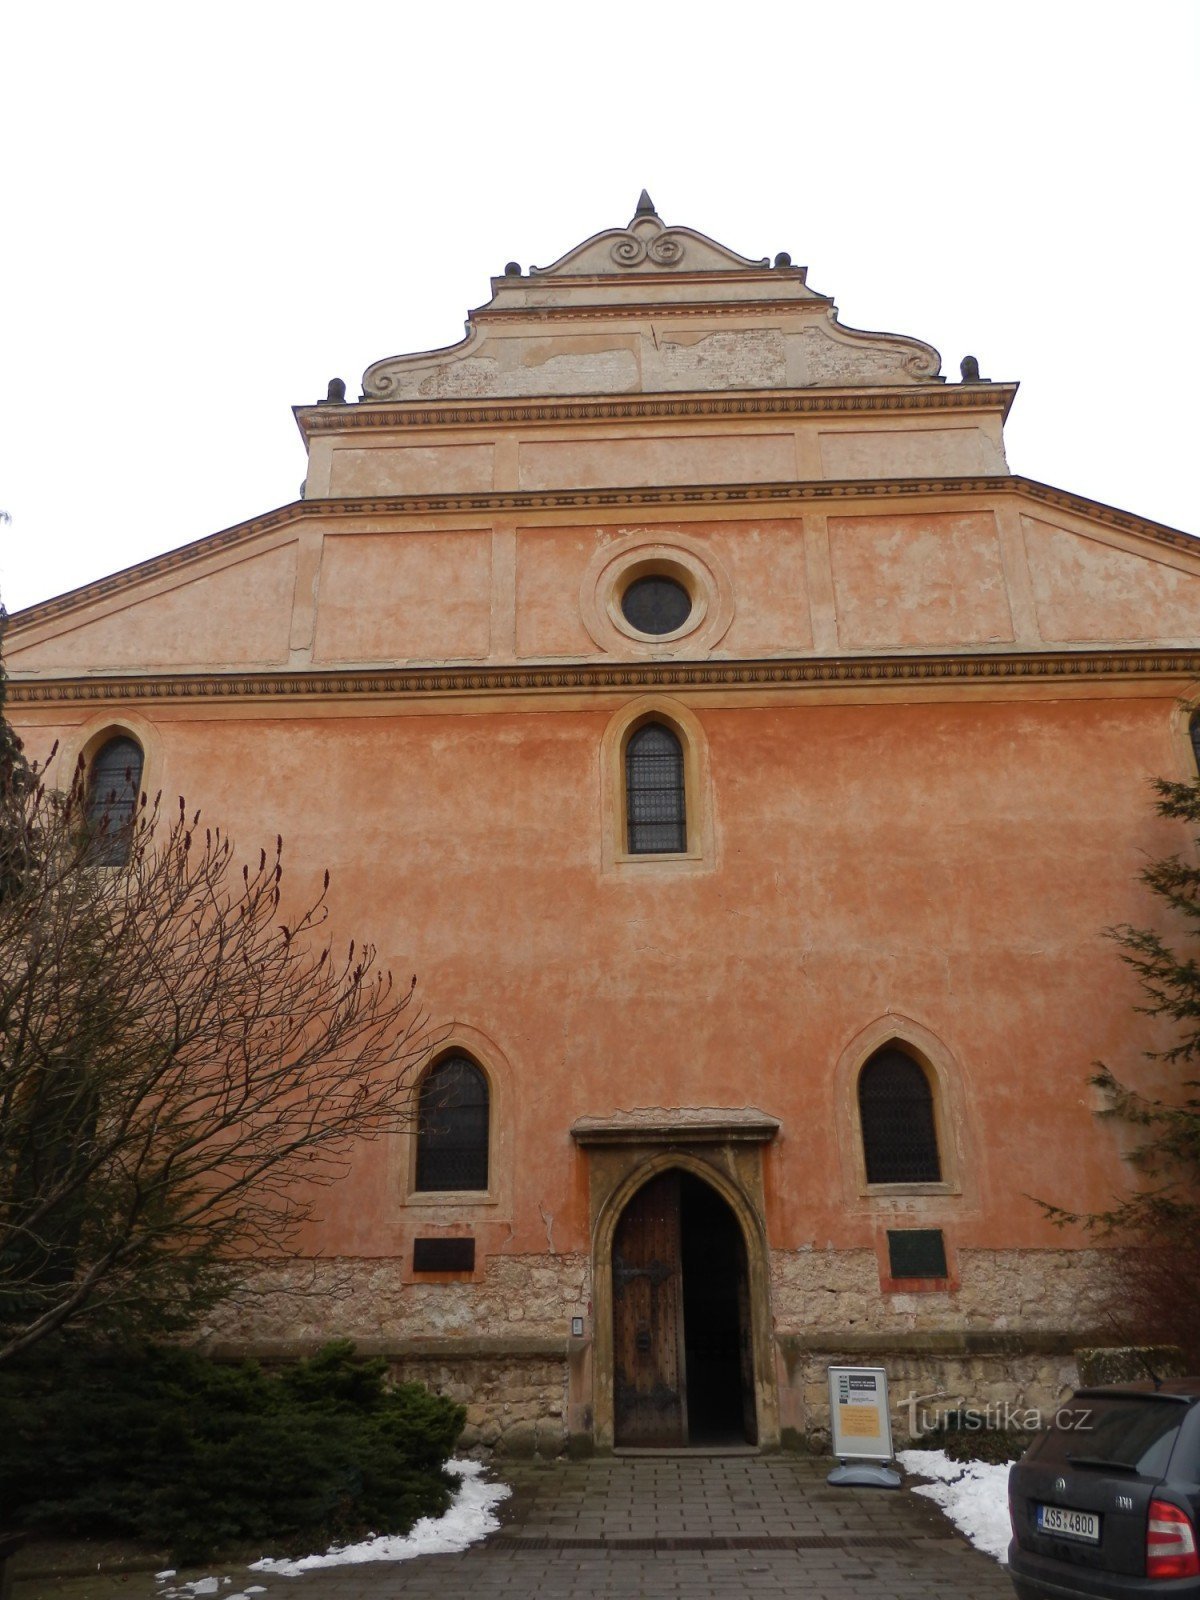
[(651, 309)]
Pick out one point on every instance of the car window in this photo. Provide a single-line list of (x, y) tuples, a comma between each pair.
[(1136, 1432)]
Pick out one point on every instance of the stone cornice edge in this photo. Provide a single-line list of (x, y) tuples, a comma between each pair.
[(375, 413), (650, 310), (418, 683)]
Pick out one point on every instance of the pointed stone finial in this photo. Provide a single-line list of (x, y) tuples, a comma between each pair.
[(645, 206)]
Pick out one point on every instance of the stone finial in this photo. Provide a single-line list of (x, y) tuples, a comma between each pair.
[(969, 367), (783, 259), (512, 269), (645, 206), (335, 395)]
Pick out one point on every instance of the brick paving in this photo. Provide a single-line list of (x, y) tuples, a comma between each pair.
[(669, 1527), (655, 1527)]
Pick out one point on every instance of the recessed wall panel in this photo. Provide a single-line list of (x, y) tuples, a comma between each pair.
[(919, 581), (646, 461), (405, 597)]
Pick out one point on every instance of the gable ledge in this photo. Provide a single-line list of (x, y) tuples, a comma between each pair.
[(371, 413), (424, 683)]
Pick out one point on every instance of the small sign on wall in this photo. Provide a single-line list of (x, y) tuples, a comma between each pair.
[(444, 1255), (861, 1427)]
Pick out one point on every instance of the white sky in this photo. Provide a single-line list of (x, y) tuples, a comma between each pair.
[(211, 210)]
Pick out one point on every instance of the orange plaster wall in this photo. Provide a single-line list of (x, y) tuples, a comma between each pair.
[(597, 463), (811, 583), (766, 564), (551, 563), (764, 560), (880, 453), (411, 469), (926, 580), (1088, 589), (953, 862), (404, 596), (238, 614)]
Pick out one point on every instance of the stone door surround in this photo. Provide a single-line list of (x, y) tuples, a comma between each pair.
[(722, 1147)]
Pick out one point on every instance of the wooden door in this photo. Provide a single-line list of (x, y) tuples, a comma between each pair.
[(649, 1369)]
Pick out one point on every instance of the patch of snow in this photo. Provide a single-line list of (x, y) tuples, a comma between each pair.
[(973, 1494), (192, 1590), (470, 1517)]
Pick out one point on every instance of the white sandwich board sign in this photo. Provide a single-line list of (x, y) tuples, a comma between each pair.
[(861, 1426)]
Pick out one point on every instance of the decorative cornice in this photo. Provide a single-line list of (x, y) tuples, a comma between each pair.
[(612, 500), (658, 310), (421, 683), (677, 1125), (389, 414)]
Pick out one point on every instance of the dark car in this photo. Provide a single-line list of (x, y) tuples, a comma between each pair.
[(1105, 1504)]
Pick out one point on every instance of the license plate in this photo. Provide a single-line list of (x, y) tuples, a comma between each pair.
[(1083, 1525)]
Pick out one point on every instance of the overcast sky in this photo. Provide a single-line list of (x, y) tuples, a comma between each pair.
[(211, 210)]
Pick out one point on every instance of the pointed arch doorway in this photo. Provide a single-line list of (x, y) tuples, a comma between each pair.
[(683, 1370), (691, 1250)]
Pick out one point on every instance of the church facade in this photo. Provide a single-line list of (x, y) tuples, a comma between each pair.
[(748, 764)]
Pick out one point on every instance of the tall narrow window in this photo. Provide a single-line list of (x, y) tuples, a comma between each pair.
[(655, 807), (899, 1133), (1194, 730), (452, 1127), (113, 789)]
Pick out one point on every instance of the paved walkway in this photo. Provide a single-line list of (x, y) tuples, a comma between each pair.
[(674, 1527)]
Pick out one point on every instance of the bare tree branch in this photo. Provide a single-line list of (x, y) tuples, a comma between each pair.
[(183, 1063)]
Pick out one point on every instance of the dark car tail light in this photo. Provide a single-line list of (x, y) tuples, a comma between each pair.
[(1170, 1543)]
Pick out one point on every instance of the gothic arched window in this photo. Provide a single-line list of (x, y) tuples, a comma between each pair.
[(114, 784), (1194, 730), (899, 1130), (655, 803), (452, 1126)]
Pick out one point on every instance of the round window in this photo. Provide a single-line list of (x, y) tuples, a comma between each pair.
[(656, 604)]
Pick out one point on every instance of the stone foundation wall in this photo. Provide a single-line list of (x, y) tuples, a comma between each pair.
[(497, 1346), (997, 1290), (1001, 1337), (1005, 1387), (302, 1304), (516, 1405), (500, 1346)]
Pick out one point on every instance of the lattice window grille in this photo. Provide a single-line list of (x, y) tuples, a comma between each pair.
[(898, 1126), (452, 1128), (654, 792)]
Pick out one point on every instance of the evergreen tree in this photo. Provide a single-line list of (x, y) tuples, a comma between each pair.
[(1159, 1221)]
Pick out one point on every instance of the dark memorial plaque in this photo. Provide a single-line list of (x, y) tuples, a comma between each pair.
[(917, 1253), (443, 1255)]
